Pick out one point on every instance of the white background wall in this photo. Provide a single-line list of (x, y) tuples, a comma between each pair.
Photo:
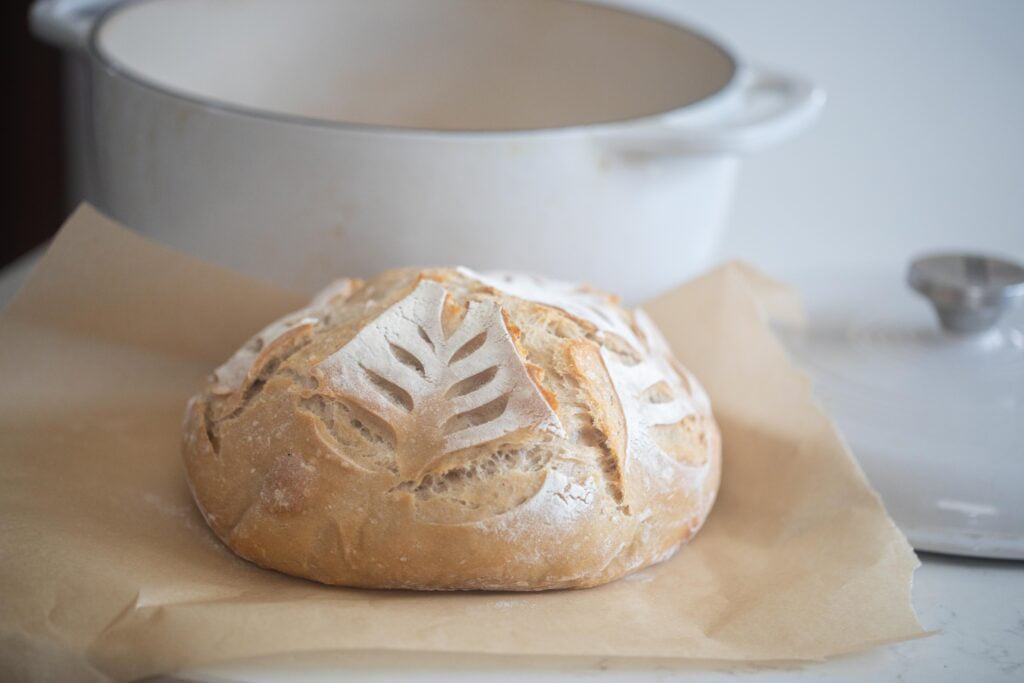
[(921, 144)]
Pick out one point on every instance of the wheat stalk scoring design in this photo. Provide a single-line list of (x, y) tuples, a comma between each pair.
[(439, 393)]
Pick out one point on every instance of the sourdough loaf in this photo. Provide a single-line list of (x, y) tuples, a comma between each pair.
[(445, 429)]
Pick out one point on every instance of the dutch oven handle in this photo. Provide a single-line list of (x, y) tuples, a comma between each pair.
[(66, 23), (772, 107)]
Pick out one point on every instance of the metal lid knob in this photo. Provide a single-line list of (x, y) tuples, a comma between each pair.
[(970, 292)]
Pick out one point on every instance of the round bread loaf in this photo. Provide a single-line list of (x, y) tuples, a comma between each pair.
[(442, 429)]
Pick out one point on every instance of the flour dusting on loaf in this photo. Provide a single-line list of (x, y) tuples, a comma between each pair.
[(584, 303), (439, 391), (232, 374), (446, 429)]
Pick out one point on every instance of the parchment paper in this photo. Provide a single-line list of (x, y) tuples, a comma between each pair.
[(108, 572)]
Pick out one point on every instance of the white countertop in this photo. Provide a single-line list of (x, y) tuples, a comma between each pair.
[(920, 147)]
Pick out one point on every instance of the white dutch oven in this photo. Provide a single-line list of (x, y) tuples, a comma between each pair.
[(300, 140)]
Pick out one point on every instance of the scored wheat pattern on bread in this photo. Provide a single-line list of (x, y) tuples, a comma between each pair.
[(438, 392)]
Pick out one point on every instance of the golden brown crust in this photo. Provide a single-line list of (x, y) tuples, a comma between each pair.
[(298, 475)]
